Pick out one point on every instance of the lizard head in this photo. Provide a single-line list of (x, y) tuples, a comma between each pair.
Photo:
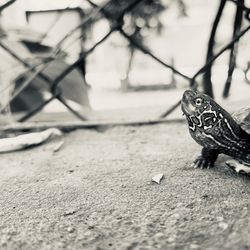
[(202, 114), (209, 124), (194, 103)]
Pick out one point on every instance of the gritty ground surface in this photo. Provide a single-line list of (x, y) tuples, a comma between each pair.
[(96, 193)]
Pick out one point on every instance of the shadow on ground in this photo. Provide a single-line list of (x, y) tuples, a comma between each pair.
[(96, 193)]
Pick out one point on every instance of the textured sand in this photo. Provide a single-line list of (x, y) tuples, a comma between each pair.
[(96, 193)]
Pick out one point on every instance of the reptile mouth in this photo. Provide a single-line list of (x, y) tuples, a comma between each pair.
[(184, 111), (189, 94), (186, 106), (187, 109)]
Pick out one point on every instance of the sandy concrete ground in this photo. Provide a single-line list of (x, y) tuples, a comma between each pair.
[(96, 193)]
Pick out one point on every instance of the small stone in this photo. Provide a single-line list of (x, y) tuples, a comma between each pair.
[(159, 235), (176, 216), (205, 196), (88, 233), (219, 218), (70, 229), (223, 225), (171, 239), (179, 204), (157, 178), (190, 205), (69, 212), (194, 246)]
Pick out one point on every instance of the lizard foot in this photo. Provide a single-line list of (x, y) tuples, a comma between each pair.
[(202, 162)]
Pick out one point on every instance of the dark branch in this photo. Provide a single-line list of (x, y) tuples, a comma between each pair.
[(6, 5), (234, 50), (207, 83)]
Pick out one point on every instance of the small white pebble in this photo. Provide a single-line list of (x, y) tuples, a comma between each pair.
[(157, 178), (176, 216), (194, 246), (70, 229), (219, 218), (223, 225), (88, 233), (159, 235)]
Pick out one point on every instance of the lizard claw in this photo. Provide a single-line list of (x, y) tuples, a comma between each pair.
[(202, 163)]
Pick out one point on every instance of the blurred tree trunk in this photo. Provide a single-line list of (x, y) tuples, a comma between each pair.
[(234, 49), (126, 83), (182, 8), (207, 83)]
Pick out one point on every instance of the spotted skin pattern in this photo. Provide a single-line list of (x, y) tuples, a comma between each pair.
[(215, 130)]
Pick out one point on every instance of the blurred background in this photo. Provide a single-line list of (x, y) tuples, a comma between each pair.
[(67, 59)]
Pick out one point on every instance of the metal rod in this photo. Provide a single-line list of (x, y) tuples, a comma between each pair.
[(77, 114), (36, 110)]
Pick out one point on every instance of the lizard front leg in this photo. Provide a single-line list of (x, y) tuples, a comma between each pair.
[(206, 159)]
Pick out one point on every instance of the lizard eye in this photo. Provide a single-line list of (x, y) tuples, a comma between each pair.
[(198, 101)]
